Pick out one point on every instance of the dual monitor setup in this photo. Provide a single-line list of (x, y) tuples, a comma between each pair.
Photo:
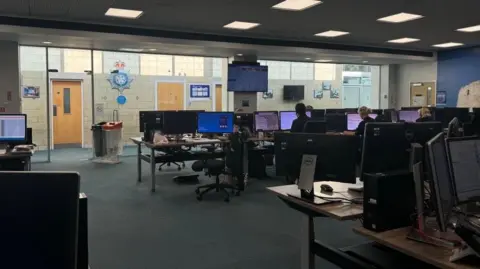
[(186, 122)]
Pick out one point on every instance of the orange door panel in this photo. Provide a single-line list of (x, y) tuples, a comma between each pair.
[(218, 97), (67, 112), (170, 95)]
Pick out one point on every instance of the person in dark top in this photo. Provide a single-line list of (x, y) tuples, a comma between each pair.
[(425, 115), (302, 118), (364, 115)]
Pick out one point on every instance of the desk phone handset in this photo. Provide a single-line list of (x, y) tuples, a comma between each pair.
[(470, 234)]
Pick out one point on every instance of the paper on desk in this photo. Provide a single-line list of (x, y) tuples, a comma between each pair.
[(307, 172)]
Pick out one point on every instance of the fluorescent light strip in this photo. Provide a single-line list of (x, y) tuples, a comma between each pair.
[(241, 25), (400, 17), (323, 61), (332, 33), (296, 5), (448, 45), (132, 50), (470, 29), (124, 13), (403, 40)]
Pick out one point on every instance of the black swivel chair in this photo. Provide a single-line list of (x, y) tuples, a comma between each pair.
[(213, 168), (315, 127)]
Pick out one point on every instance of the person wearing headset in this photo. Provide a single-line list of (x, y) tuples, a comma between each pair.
[(425, 115), (364, 113), (302, 118)]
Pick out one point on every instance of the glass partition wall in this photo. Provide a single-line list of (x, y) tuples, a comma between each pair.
[(85, 87)]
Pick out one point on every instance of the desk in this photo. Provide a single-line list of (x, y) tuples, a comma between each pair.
[(23, 156), (339, 211), (396, 240), (245, 154), (154, 147)]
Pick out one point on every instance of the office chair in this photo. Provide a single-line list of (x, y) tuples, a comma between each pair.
[(315, 127), (213, 168)]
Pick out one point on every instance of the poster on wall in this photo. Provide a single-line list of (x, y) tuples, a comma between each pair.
[(441, 98), (30, 92), (268, 94), (199, 91), (334, 94), (326, 85), (318, 94)]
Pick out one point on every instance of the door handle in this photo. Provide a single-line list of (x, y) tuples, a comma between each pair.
[(54, 110)]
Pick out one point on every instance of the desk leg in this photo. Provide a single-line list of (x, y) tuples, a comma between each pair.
[(139, 162), (307, 256), (152, 168), (245, 164)]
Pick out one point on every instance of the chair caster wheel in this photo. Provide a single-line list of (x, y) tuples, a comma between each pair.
[(168, 164), (199, 198), (179, 168), (227, 200), (183, 165), (197, 191)]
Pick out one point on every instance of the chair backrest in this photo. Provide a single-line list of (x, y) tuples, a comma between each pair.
[(315, 127)]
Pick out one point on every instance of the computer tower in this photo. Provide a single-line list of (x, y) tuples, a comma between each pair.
[(388, 200), (82, 247)]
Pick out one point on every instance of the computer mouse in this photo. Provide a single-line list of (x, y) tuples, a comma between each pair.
[(326, 188)]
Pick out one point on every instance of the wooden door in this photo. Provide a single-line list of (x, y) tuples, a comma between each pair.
[(170, 95), (422, 94), (67, 113), (218, 97)]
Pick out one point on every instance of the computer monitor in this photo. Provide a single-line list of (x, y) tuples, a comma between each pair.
[(287, 117), (13, 128), (340, 110), (39, 224), (150, 117), (464, 156), (441, 180), (266, 121), (408, 115), (318, 114), (446, 115), (422, 132), (336, 122), (215, 122), (179, 122), (353, 119), (244, 120), (385, 148), (335, 161)]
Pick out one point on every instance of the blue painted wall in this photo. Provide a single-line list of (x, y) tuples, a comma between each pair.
[(456, 69)]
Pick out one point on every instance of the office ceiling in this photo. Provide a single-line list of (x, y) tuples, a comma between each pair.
[(359, 17)]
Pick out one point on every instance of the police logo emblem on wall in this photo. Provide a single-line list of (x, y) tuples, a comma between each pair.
[(119, 79)]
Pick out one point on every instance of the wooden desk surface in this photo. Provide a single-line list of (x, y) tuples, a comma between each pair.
[(397, 240), (173, 144), (339, 211)]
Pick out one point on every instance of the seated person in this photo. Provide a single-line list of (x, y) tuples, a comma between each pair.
[(425, 115), (364, 113), (302, 118)]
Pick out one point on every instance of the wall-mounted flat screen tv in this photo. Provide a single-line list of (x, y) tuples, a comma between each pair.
[(293, 92), (247, 78)]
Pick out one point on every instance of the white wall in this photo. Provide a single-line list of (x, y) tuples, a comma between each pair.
[(408, 73)]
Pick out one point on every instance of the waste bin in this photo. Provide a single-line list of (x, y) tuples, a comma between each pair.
[(99, 146)]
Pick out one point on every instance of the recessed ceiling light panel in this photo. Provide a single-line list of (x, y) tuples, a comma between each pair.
[(403, 40), (132, 50), (448, 45), (124, 13), (241, 25), (400, 17), (470, 29), (323, 61), (296, 5), (332, 33), (47, 42)]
